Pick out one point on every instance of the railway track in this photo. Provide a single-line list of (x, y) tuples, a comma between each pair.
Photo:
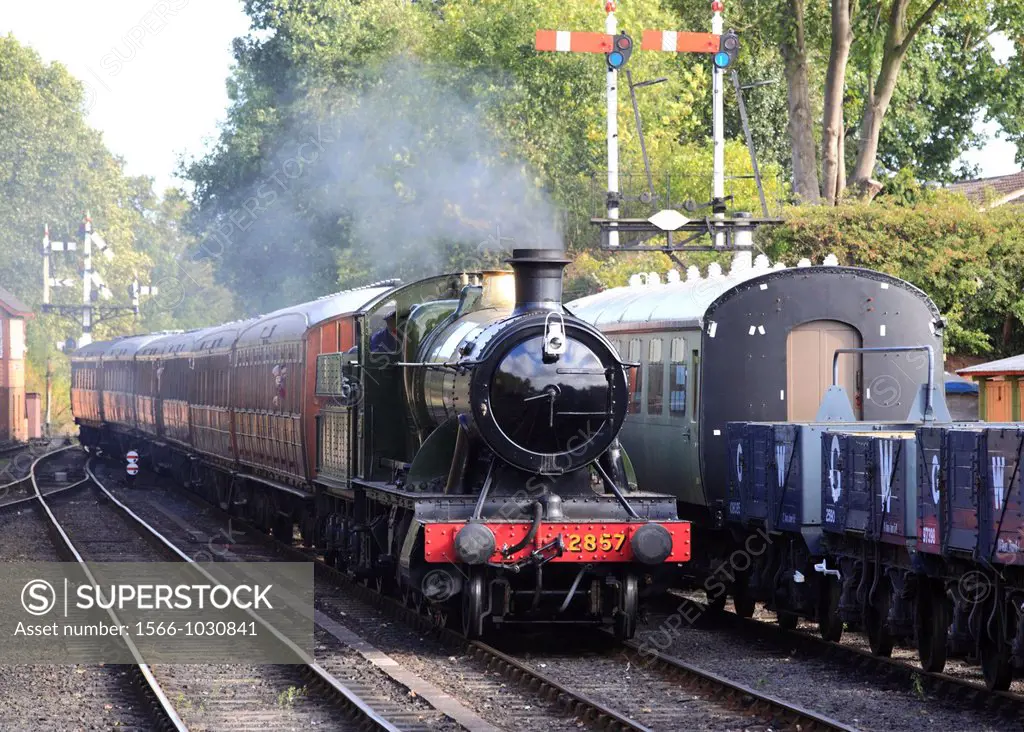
[(946, 686), (404, 656), (582, 688), (16, 476), (222, 696), (116, 695), (264, 696)]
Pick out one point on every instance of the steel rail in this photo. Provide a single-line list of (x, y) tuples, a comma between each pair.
[(755, 701), (311, 667), (170, 718), (28, 480), (941, 684), (25, 481)]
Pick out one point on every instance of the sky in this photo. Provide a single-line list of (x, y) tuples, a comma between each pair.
[(155, 72)]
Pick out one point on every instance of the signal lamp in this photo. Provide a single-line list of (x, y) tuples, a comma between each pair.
[(728, 50), (622, 49)]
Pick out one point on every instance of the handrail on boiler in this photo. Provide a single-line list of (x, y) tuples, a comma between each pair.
[(893, 349)]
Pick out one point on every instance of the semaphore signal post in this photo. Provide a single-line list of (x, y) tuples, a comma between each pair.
[(723, 48), (94, 288), (617, 49)]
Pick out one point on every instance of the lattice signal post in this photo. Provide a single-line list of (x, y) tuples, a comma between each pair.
[(617, 49), (93, 286)]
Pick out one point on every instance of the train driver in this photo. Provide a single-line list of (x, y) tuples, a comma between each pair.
[(385, 340)]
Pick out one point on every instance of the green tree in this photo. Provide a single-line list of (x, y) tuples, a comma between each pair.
[(53, 169), (441, 144), (970, 263)]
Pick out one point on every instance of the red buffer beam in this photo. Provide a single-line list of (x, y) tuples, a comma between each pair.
[(679, 42), (575, 41)]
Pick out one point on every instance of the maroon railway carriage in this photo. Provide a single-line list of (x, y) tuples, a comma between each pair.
[(238, 396)]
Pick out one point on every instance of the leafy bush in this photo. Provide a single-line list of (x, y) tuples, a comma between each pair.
[(970, 262)]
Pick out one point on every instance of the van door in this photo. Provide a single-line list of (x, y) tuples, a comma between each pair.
[(809, 351)]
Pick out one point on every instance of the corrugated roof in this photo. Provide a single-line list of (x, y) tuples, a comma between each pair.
[(291, 322), (1011, 365), (1000, 189), (681, 303), (124, 349)]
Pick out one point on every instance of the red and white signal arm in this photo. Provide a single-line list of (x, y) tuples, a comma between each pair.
[(132, 458)]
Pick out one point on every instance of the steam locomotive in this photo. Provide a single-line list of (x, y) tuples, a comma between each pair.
[(796, 415), (453, 440)]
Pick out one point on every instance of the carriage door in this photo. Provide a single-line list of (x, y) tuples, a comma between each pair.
[(809, 350)]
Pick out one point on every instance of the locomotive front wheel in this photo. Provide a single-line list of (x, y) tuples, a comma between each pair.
[(473, 607), (625, 618), (877, 622), (932, 624), (995, 662), (830, 625)]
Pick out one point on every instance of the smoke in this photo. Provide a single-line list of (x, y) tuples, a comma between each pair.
[(400, 178)]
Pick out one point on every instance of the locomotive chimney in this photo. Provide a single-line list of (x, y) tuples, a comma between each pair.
[(538, 279)]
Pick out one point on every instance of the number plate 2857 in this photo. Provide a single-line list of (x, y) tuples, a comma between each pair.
[(583, 542)]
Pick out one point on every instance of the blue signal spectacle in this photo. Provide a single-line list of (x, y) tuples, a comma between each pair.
[(721, 59), (615, 59)]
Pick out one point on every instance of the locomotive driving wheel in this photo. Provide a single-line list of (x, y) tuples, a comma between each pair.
[(629, 601), (412, 598), (473, 606)]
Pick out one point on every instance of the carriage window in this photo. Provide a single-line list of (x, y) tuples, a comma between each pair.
[(636, 387), (677, 378), (655, 378)]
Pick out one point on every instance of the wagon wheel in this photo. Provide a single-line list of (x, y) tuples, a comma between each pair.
[(931, 626), (787, 620), (741, 599), (716, 604), (830, 625), (625, 615), (995, 661), (877, 622)]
